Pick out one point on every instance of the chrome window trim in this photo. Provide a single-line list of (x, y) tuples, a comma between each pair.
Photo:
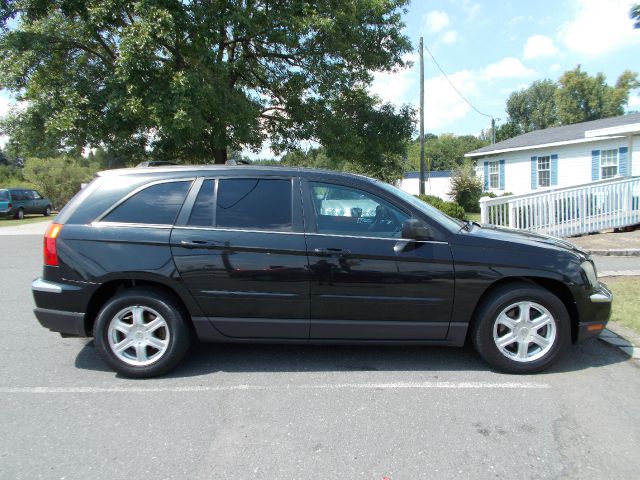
[(217, 229), (99, 224)]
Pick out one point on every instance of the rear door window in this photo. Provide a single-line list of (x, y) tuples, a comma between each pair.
[(254, 203), (157, 205)]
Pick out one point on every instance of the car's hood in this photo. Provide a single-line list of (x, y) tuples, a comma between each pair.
[(517, 239)]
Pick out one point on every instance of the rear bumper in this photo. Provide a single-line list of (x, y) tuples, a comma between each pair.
[(67, 323), (596, 314), (51, 308)]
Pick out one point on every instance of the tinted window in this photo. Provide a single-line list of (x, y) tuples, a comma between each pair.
[(158, 204), (17, 195), (4, 196), (36, 195), (348, 211), (254, 203), (202, 213)]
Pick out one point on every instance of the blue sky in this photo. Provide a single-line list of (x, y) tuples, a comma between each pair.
[(491, 48)]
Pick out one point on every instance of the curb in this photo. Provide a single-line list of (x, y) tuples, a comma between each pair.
[(613, 252), (621, 343), (619, 273)]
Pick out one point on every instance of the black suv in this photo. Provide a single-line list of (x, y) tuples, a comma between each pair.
[(146, 259)]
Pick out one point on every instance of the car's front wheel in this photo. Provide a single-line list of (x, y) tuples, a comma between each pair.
[(141, 333), (521, 329)]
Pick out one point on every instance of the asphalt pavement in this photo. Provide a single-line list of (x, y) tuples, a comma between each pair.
[(302, 412)]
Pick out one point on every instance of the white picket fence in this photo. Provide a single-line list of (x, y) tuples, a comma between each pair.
[(568, 211)]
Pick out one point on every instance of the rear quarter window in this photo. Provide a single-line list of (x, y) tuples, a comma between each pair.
[(157, 205), (4, 196)]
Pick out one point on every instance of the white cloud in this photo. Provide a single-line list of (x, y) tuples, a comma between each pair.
[(508, 67), (435, 21), (539, 46), (472, 9), (449, 37), (634, 101), (599, 27), (442, 104), (555, 67), (394, 86)]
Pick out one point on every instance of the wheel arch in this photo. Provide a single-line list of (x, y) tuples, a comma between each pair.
[(555, 287), (110, 288)]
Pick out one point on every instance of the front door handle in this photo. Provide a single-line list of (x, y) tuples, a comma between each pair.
[(197, 243), (329, 252)]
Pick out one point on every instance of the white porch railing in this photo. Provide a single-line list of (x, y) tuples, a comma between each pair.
[(564, 212)]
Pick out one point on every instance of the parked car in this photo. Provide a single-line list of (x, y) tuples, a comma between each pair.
[(146, 259), (16, 202)]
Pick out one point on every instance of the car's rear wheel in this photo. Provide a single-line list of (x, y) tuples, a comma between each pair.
[(521, 329), (47, 211), (19, 214), (141, 333)]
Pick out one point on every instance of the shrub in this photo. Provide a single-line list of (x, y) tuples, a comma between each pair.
[(58, 178), (452, 209), (466, 188)]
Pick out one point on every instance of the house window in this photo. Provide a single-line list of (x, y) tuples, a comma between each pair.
[(609, 163), (544, 171), (494, 175)]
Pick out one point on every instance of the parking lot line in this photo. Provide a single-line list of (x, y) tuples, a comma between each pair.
[(324, 386)]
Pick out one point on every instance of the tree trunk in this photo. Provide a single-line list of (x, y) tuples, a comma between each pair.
[(220, 156)]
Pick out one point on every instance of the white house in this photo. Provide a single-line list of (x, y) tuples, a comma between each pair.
[(561, 156), (438, 183)]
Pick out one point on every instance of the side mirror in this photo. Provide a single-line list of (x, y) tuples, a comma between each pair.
[(413, 229)]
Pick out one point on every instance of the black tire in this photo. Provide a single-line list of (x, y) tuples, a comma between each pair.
[(47, 211), (19, 214), (535, 357), (176, 331)]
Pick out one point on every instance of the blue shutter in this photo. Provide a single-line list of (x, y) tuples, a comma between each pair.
[(534, 173), (554, 170), (623, 162), (595, 165), (486, 176), (501, 166)]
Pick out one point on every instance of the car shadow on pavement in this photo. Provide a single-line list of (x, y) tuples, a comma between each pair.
[(204, 359)]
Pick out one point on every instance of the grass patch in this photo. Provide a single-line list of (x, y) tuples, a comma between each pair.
[(11, 222), (472, 217), (626, 300)]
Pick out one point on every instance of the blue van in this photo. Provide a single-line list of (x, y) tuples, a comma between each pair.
[(16, 202)]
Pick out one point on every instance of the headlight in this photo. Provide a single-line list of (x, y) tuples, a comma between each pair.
[(590, 271)]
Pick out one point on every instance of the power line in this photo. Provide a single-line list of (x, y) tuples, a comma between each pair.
[(452, 85)]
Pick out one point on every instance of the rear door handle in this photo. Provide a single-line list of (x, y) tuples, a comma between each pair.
[(197, 243), (328, 252)]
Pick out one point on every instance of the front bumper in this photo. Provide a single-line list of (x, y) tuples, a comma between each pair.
[(596, 314), (49, 294)]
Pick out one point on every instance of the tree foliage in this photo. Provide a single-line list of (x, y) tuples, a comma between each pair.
[(576, 97), (193, 80), (581, 97), (634, 13), (443, 152), (452, 209), (466, 187), (58, 178)]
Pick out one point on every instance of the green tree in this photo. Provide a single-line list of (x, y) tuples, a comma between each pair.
[(508, 130), (533, 108), (581, 97), (58, 178), (193, 80), (634, 14), (443, 152), (466, 187)]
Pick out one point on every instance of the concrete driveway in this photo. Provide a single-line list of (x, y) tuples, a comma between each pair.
[(300, 412)]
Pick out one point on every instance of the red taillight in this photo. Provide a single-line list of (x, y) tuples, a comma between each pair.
[(10, 206), (50, 249)]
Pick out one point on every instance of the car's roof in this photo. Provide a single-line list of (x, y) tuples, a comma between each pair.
[(186, 170)]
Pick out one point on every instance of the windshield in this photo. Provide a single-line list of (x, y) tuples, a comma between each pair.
[(4, 195), (443, 219)]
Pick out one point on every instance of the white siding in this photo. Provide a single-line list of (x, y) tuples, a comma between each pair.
[(438, 186), (574, 164)]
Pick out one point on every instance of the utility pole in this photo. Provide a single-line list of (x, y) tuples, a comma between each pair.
[(493, 130), (421, 119)]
